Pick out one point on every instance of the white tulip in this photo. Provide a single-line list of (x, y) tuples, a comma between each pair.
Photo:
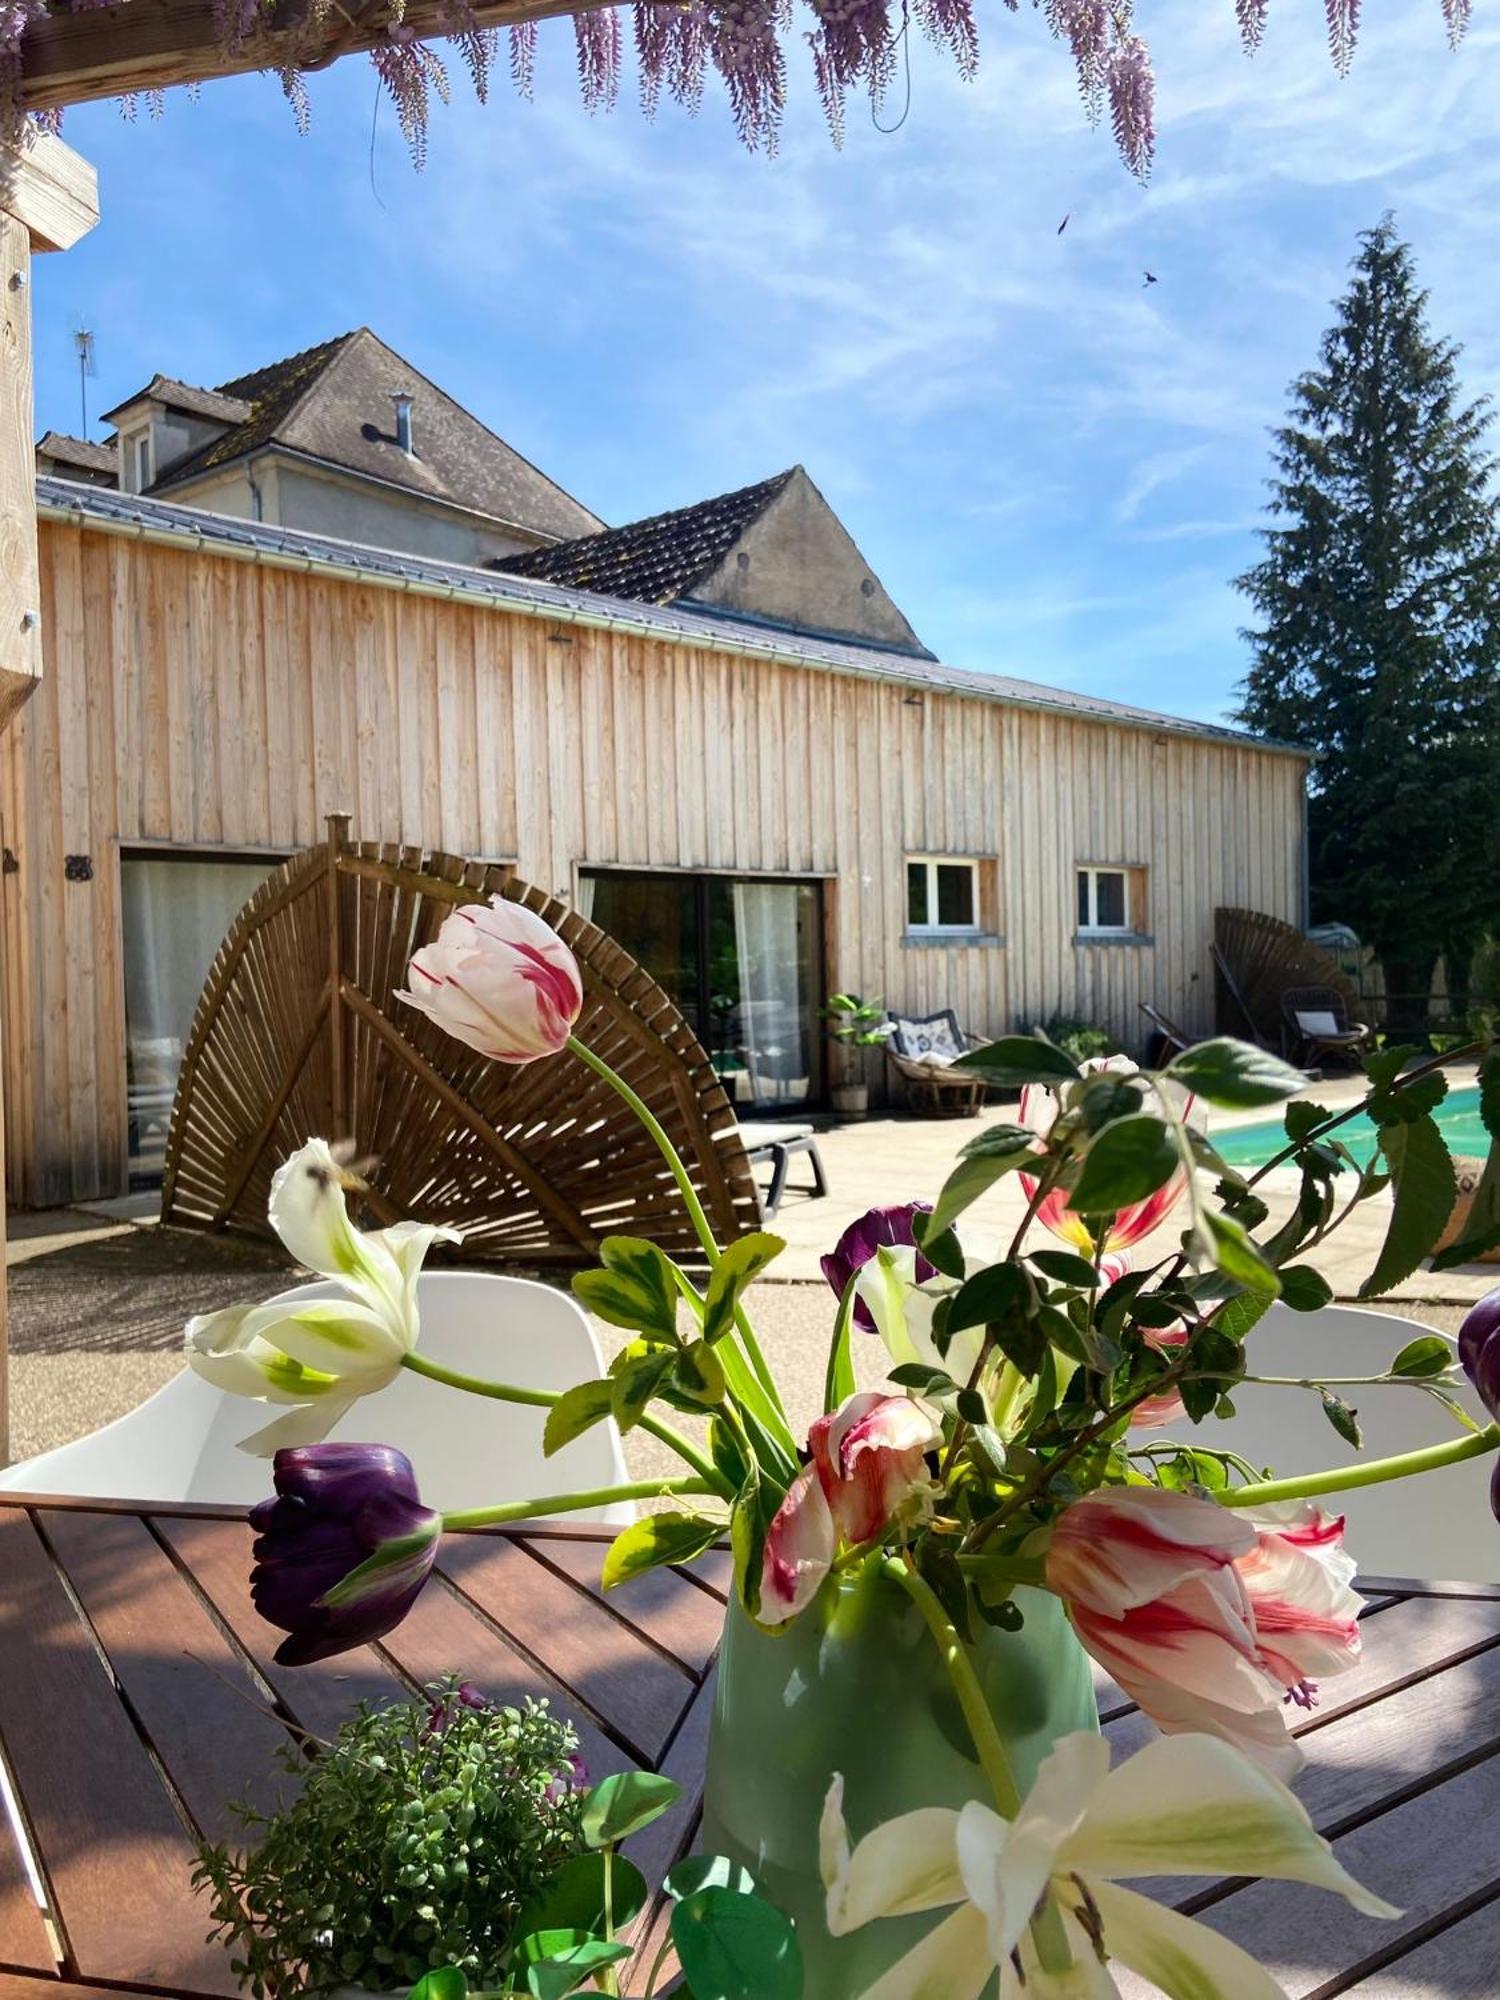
[(319, 1355)]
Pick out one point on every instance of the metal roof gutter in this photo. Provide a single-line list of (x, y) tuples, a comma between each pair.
[(236, 539)]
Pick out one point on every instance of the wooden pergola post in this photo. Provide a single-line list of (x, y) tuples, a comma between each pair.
[(48, 199)]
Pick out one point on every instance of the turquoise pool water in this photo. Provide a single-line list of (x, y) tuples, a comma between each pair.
[(1457, 1116)]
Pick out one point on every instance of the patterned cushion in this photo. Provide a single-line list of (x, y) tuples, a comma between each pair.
[(1318, 1024), (937, 1039)]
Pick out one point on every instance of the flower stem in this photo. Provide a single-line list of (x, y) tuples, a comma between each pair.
[(992, 1757), (570, 1503), (1343, 1479), (1046, 1929), (543, 1399), (690, 1201)]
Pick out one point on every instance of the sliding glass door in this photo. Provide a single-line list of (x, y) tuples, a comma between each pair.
[(176, 909), (741, 957)]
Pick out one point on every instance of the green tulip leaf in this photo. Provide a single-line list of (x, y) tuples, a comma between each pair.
[(736, 1947)]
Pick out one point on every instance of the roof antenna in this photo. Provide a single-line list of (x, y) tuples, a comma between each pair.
[(83, 344)]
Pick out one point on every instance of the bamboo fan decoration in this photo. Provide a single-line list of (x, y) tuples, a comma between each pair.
[(1265, 957), (297, 1033)]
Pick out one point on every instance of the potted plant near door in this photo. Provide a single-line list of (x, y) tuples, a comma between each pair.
[(854, 1024)]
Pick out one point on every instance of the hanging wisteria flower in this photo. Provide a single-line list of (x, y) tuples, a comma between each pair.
[(319, 1355), (1167, 1592), (1039, 1109), (499, 979), (343, 1550), (1182, 1806), (868, 1461), (891, 1227)]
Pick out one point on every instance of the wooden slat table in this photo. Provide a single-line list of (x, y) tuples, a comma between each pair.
[(138, 1696)]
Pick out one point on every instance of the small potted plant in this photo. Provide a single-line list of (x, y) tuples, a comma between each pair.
[(854, 1024), (416, 1839)]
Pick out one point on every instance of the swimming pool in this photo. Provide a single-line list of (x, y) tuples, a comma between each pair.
[(1457, 1116)]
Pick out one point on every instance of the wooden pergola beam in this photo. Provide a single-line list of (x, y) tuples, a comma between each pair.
[(48, 198), (152, 44)]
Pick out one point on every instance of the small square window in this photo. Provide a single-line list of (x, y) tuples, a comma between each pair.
[(1103, 900), (941, 895)]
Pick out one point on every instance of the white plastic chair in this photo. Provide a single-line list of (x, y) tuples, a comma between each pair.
[(1436, 1526), (468, 1451)]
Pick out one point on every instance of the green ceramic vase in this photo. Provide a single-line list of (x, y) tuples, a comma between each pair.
[(857, 1685)]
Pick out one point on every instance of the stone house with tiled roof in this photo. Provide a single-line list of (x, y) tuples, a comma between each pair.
[(345, 439), (323, 586)]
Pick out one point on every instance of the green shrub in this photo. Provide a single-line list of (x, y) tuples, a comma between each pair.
[(415, 1839), (1080, 1039)]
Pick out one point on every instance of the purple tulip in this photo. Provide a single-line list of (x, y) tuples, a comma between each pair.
[(1479, 1350), (343, 1550), (890, 1227)]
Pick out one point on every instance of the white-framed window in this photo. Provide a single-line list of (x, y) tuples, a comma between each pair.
[(942, 894), (139, 470), (1104, 901)]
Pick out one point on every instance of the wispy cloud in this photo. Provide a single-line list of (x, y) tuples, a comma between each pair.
[(1054, 468)]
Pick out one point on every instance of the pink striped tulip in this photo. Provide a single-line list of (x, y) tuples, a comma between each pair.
[(500, 980), (1211, 1620), (870, 1456), (868, 1460), (1039, 1108)]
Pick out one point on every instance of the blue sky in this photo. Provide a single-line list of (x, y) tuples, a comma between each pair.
[(1055, 469)]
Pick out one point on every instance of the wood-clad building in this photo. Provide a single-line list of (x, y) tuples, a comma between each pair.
[(213, 688)]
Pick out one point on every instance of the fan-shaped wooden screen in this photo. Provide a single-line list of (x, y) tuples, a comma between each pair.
[(1266, 956), (297, 1033)]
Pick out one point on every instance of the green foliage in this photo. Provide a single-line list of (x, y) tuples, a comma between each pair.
[(999, 1151), (1424, 1184), (406, 1848), (654, 1540), (738, 1267), (1127, 1162), (1080, 1040), (736, 1947), (1234, 1075), (857, 1023), (1377, 640), (1016, 1060)]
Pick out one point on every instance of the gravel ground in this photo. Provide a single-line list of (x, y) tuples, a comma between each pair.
[(96, 1327)]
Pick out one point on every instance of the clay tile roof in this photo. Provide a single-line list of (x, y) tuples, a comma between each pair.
[(657, 561), (65, 450)]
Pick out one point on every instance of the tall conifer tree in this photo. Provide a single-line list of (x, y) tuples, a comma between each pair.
[(1379, 637)]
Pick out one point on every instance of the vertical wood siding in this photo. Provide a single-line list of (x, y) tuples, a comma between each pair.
[(206, 701)]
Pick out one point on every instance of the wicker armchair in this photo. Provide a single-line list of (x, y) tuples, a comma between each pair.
[(1316, 1023), (922, 1050)]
